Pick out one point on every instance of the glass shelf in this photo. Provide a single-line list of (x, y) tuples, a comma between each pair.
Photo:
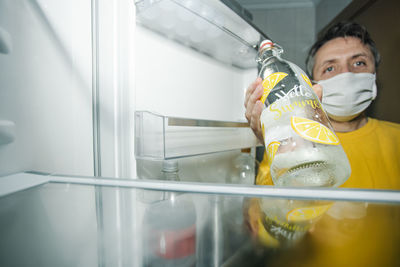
[(88, 221), (208, 26), (162, 137)]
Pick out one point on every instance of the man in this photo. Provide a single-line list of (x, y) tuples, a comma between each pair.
[(343, 63)]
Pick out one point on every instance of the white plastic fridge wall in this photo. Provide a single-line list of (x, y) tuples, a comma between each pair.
[(46, 84), (174, 80)]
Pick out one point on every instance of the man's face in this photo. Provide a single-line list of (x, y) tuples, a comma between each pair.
[(341, 55)]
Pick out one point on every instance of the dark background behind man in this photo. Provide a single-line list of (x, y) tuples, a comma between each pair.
[(381, 18)]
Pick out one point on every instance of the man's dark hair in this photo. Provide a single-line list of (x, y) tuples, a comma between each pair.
[(342, 29)]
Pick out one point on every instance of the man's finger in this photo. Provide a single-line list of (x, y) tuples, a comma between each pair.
[(257, 110), (250, 90), (254, 97)]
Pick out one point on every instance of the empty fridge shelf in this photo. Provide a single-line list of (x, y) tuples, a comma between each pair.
[(162, 137)]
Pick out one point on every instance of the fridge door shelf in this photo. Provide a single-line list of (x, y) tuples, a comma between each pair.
[(161, 137), (207, 26)]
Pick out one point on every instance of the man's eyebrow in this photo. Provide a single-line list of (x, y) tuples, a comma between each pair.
[(332, 60), (328, 61), (359, 55)]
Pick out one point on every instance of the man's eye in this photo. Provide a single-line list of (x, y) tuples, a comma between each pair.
[(359, 63), (328, 69)]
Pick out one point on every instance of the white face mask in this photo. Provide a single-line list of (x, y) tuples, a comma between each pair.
[(348, 94)]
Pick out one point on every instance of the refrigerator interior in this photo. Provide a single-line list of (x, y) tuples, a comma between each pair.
[(78, 77), (72, 83)]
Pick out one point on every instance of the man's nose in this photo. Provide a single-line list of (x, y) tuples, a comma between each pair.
[(342, 69), (345, 68)]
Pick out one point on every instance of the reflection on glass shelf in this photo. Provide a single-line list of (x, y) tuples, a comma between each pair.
[(207, 26), (162, 137), (65, 224)]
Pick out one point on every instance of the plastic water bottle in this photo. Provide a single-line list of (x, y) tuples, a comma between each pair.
[(244, 168), (170, 227), (301, 146)]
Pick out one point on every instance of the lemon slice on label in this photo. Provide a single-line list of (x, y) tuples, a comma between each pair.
[(271, 151), (270, 82), (313, 131), (306, 213), (264, 237), (306, 79)]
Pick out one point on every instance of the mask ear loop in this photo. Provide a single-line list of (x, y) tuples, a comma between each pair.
[(374, 88)]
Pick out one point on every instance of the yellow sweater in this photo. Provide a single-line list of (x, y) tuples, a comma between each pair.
[(374, 155)]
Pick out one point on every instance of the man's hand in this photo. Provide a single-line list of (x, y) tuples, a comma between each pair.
[(254, 106)]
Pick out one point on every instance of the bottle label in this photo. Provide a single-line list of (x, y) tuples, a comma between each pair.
[(298, 222), (288, 111), (270, 82), (176, 243), (284, 231), (313, 131), (280, 108), (307, 213), (271, 151)]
